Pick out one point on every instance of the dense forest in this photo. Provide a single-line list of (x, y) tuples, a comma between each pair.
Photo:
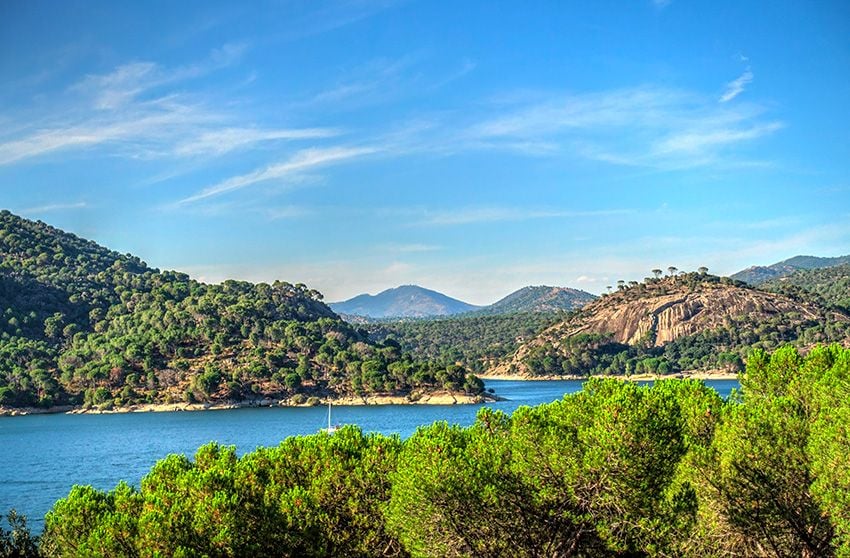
[(830, 285), (615, 470), (83, 325), (474, 341)]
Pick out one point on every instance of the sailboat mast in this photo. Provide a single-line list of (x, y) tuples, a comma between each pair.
[(329, 416)]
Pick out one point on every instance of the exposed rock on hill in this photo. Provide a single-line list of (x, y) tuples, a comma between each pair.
[(648, 317)]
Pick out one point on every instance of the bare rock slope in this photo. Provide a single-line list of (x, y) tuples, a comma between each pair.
[(657, 312)]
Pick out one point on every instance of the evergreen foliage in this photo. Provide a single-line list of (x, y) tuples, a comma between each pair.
[(474, 341), (829, 285)]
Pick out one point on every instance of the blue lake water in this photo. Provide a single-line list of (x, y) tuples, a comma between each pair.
[(43, 456)]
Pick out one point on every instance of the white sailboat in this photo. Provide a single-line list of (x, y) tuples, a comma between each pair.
[(331, 427)]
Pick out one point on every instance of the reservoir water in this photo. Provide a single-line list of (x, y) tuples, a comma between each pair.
[(43, 456)]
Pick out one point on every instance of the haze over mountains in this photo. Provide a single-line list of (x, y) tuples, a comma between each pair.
[(412, 301), (758, 274), (406, 301)]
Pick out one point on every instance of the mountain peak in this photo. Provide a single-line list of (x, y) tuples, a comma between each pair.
[(404, 301), (413, 301)]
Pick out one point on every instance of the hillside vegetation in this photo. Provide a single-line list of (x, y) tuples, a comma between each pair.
[(474, 341), (616, 470), (82, 324), (538, 299), (830, 286), (758, 274), (686, 322)]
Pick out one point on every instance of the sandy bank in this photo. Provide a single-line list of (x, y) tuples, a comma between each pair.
[(440, 398)]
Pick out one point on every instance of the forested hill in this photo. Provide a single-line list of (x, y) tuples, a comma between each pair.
[(539, 298), (86, 325), (831, 285), (758, 274), (678, 323), (477, 342)]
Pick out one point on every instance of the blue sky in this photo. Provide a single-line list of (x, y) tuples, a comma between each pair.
[(470, 147)]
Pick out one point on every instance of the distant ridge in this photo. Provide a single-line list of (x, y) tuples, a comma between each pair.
[(412, 301), (406, 301), (758, 274), (540, 298)]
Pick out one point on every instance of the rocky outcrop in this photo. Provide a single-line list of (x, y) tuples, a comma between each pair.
[(660, 311), (659, 318)]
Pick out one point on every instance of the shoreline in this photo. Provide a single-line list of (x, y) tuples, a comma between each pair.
[(705, 375), (440, 398)]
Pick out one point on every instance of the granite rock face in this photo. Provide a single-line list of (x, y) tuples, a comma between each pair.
[(659, 311)]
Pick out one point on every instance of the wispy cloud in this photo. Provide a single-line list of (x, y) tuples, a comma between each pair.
[(53, 207), (330, 16), (138, 111), (126, 82), (497, 214), (382, 80), (147, 127), (702, 140), (224, 140), (643, 126), (376, 79), (736, 86), (300, 162)]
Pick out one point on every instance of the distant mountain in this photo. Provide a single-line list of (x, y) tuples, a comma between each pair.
[(758, 274), (412, 301), (407, 301), (539, 299)]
